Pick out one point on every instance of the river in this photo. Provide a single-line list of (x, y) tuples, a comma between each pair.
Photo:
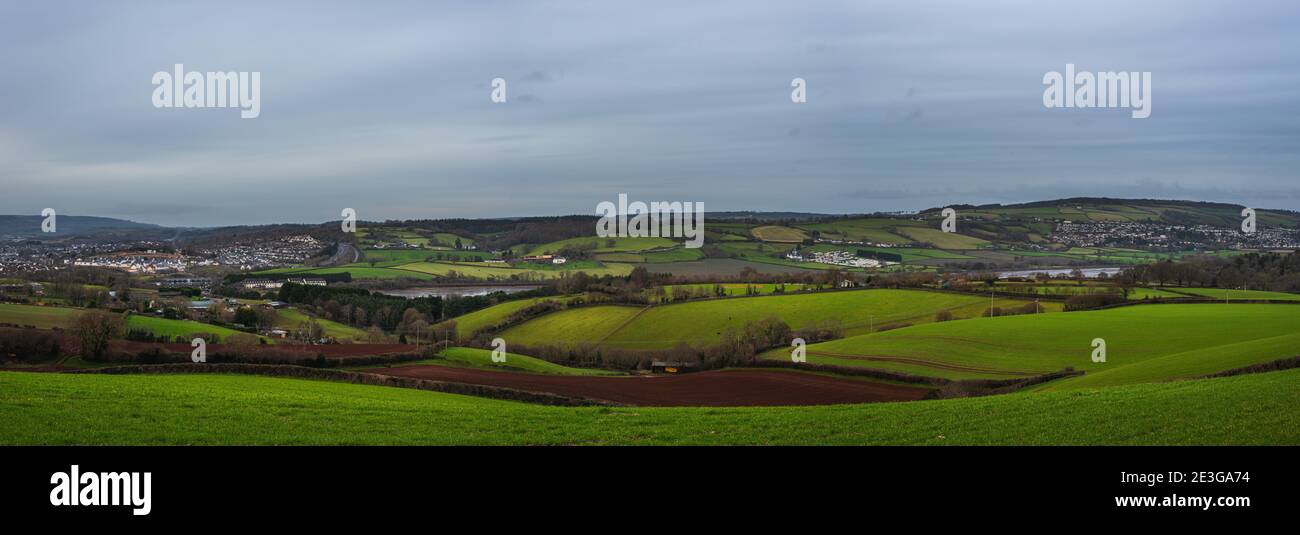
[(445, 291)]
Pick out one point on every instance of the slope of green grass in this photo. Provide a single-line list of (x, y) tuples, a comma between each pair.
[(214, 409), (736, 288), (50, 317), (701, 323), (1048, 342), (289, 319), (868, 229), (573, 326), (775, 233), (1194, 363), (941, 239), (174, 328), (482, 358), (37, 316), (1220, 293), (602, 245), (468, 324)]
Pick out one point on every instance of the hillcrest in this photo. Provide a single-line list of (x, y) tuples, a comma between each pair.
[(654, 220)]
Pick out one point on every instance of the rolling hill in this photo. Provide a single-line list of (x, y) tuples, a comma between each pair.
[(1143, 342), (107, 409), (701, 323)]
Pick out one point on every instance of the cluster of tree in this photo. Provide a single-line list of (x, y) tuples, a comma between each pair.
[(28, 345), (532, 230), (1091, 301), (359, 307), (880, 255), (362, 308), (737, 347), (1027, 308), (93, 329), (1256, 271)]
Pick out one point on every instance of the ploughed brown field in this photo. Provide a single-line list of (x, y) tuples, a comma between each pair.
[(724, 388)]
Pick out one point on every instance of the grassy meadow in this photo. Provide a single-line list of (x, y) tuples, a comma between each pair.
[(221, 409), (1143, 342), (701, 323)]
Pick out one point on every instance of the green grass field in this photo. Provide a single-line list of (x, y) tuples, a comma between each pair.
[(941, 239), (399, 268), (494, 271), (573, 326), (289, 319), (866, 229), (1069, 289), (1144, 342), (1220, 293), (470, 357), (702, 322), (43, 317), (602, 245), (37, 316), (774, 233), (216, 409), (174, 328), (468, 324), (736, 288)]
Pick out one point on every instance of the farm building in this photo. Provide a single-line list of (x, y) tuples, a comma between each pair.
[(671, 366)]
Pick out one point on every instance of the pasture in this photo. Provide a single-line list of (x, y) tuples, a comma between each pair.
[(161, 409), (701, 323), (469, 357), (1192, 339)]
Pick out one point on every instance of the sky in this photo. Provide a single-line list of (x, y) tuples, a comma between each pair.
[(385, 107)]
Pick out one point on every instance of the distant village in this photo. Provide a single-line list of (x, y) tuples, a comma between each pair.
[(154, 258), (1144, 235)]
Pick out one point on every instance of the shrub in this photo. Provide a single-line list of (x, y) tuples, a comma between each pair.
[(28, 345)]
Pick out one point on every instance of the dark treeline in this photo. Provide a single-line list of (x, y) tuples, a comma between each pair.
[(495, 234), (880, 255), (362, 308), (736, 347), (1279, 272)]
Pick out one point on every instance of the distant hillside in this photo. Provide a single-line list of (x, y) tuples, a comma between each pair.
[(68, 225), (1120, 210)]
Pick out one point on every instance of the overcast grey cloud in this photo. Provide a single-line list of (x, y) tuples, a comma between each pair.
[(384, 106)]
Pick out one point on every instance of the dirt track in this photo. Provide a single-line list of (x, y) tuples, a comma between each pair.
[(729, 388)]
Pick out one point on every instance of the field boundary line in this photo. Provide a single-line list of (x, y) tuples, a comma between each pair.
[(624, 324), (926, 363), (354, 377)]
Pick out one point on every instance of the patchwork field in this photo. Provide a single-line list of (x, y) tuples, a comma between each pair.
[(604, 245), (102, 409), (702, 322), (399, 269)]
